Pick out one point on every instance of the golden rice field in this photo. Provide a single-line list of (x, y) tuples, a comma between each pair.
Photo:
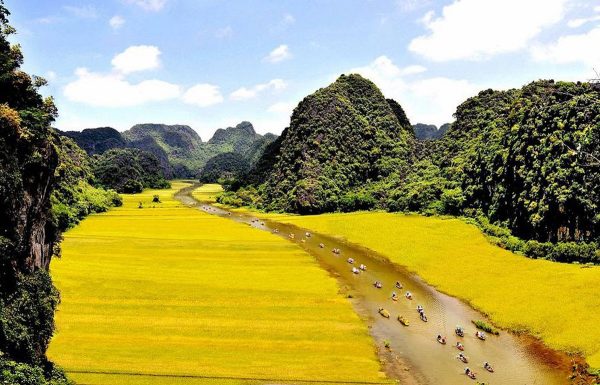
[(207, 192), (560, 303), (170, 295)]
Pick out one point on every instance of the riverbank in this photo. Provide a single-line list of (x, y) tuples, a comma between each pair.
[(168, 294), (558, 303)]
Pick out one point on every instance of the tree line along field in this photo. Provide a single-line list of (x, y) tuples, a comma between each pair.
[(556, 302), (167, 294)]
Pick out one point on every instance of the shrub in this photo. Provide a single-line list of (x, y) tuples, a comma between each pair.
[(485, 327)]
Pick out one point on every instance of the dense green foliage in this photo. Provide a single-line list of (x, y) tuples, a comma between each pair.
[(128, 171), (74, 195), (179, 149), (224, 168), (522, 158), (523, 164), (340, 137), (27, 235)]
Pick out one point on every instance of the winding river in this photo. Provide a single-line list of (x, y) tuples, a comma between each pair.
[(414, 356)]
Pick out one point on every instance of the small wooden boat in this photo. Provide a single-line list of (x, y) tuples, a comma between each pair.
[(459, 346), (441, 340), (384, 313), (355, 270), (480, 335), (378, 284), (403, 320), (462, 358), (350, 260), (488, 367), (409, 295), (321, 245), (363, 267), (459, 331), (423, 317)]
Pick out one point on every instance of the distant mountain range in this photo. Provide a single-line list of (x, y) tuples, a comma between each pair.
[(179, 149), (429, 131)]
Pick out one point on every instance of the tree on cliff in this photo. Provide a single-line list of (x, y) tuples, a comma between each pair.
[(27, 237)]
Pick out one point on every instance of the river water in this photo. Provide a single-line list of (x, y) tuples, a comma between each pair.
[(518, 360)]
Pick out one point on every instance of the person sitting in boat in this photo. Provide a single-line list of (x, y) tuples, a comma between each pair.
[(459, 346), (398, 285), (488, 367), (441, 340), (468, 371), (363, 267), (355, 270), (408, 295), (378, 284), (321, 245), (394, 295), (350, 260), (420, 309)]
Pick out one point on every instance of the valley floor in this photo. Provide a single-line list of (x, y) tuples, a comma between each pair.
[(167, 294), (559, 303)]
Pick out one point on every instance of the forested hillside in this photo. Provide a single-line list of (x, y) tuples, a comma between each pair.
[(28, 160), (178, 148), (524, 164), (128, 170), (340, 137), (75, 192), (529, 159)]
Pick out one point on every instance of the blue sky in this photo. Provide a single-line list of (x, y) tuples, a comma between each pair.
[(213, 63)]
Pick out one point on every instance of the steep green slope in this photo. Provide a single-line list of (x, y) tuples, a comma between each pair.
[(528, 158), (340, 137), (74, 195), (128, 170), (27, 235), (97, 140)]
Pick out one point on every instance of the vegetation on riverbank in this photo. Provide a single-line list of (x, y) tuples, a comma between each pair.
[(193, 294), (555, 302), (524, 164)]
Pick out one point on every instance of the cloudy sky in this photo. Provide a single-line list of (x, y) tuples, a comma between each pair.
[(213, 63)]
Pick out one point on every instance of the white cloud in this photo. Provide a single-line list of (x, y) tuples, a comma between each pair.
[(113, 90), (279, 54), (116, 22), (580, 48), (431, 100), (224, 33), (203, 95), (576, 23), (82, 12), (149, 5), (244, 93), (137, 58), (479, 29)]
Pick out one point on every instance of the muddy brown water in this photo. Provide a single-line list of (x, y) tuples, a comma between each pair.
[(415, 355)]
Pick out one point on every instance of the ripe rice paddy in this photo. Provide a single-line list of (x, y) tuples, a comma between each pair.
[(559, 303), (170, 295)]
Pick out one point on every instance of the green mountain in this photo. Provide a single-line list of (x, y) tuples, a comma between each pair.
[(179, 149), (340, 138), (529, 158), (429, 131)]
